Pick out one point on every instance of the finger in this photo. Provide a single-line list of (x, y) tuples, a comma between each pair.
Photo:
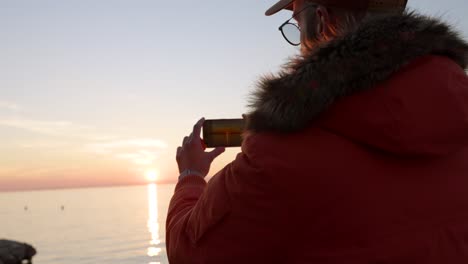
[(203, 144), (216, 152), (179, 149), (185, 140), (197, 127)]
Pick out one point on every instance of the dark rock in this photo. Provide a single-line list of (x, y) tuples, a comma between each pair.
[(12, 252)]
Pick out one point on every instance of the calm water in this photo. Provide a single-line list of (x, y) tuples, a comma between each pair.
[(96, 225)]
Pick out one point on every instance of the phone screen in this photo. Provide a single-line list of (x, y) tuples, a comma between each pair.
[(223, 132)]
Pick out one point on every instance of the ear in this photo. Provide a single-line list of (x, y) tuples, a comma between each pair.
[(323, 18)]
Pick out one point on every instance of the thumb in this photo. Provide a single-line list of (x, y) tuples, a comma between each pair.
[(216, 152)]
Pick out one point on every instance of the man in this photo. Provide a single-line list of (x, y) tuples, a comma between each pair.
[(356, 153)]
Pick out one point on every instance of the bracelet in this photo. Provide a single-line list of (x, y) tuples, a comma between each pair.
[(189, 172)]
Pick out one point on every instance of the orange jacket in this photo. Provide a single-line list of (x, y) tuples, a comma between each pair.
[(380, 176)]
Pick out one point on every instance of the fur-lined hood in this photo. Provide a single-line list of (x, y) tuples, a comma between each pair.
[(353, 63)]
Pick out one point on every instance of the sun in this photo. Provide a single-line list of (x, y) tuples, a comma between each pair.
[(151, 175)]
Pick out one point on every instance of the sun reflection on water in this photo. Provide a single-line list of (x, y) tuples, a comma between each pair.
[(153, 226)]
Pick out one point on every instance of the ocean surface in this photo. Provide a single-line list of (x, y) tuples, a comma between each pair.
[(93, 225)]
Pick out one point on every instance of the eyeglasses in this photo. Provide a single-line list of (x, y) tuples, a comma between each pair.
[(291, 31)]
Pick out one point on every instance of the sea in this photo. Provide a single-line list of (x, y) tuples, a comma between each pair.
[(91, 225)]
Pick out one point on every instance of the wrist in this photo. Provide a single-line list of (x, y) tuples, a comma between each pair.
[(189, 172)]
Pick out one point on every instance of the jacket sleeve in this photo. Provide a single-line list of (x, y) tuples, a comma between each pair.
[(225, 220)]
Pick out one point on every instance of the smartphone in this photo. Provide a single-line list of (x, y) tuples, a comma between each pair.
[(223, 132)]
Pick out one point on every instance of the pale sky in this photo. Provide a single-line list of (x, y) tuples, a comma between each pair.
[(97, 92)]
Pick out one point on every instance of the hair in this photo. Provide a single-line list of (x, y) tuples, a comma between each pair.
[(342, 22)]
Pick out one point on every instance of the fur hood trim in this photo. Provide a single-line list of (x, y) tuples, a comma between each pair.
[(355, 62)]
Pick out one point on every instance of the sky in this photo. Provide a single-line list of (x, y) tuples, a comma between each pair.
[(102, 92)]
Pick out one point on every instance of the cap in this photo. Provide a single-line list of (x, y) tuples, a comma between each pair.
[(369, 5), (280, 5)]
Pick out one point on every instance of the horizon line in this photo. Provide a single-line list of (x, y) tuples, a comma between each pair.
[(39, 189)]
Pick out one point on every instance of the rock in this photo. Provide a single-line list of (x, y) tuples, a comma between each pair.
[(12, 252)]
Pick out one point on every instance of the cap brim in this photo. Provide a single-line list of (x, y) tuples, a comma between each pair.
[(282, 4)]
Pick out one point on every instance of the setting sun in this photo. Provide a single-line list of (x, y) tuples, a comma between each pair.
[(151, 175)]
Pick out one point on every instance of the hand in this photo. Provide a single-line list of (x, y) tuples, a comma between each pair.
[(191, 155)]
